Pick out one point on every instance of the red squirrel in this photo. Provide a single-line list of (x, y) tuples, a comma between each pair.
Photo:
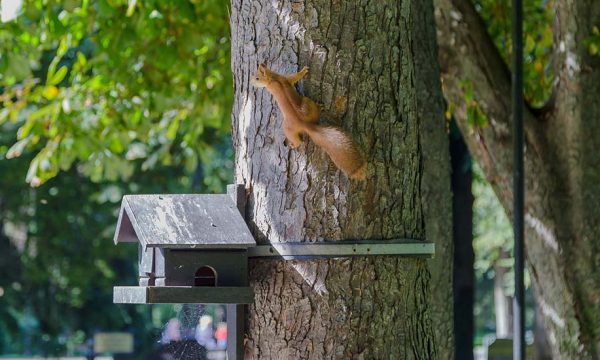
[(301, 114)]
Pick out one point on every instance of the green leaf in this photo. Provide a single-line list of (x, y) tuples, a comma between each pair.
[(81, 60), (116, 146), (17, 149), (130, 7), (593, 49), (58, 76), (50, 92)]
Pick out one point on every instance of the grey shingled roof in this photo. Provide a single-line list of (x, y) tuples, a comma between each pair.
[(182, 221)]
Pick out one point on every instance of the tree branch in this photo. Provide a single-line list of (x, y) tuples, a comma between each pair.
[(469, 58)]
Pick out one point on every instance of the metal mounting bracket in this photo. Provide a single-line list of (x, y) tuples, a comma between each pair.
[(343, 248)]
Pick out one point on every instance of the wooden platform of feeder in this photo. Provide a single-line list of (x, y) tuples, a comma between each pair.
[(182, 295)]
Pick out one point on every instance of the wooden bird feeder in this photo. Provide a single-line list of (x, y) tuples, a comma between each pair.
[(192, 249)]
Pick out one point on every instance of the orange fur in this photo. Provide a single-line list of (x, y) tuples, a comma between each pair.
[(301, 114)]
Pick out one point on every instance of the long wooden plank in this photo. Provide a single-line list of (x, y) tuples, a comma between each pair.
[(182, 295)]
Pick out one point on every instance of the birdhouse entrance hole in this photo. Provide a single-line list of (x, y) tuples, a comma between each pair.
[(205, 276)]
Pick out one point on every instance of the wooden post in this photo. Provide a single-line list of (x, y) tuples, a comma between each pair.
[(235, 331), (236, 313)]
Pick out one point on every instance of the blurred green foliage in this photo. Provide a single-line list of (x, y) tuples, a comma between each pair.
[(538, 18), (493, 246), (593, 42), (105, 82), (538, 73), (98, 99), (493, 233)]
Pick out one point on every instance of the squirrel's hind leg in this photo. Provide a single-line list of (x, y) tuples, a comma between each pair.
[(293, 137), (311, 111)]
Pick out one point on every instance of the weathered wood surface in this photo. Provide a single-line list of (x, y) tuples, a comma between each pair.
[(180, 266), (146, 258), (182, 221), (182, 295)]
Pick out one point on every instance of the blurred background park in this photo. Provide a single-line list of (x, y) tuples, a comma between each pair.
[(104, 98)]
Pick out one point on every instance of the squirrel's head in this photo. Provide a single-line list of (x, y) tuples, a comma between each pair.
[(261, 79)]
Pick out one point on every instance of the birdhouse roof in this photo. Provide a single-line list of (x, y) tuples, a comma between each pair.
[(182, 222)]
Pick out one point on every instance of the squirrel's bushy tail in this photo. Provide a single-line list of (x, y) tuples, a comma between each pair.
[(340, 148)]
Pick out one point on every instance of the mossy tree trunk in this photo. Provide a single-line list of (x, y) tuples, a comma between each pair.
[(373, 66), (562, 162)]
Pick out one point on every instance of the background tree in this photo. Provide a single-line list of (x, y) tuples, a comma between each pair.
[(373, 66), (562, 133)]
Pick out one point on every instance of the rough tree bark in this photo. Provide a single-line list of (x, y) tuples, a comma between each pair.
[(373, 66), (562, 163)]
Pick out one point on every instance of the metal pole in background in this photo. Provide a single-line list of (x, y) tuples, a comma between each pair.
[(518, 183)]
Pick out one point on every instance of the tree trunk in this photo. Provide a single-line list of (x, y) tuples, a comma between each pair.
[(562, 165), (373, 67)]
